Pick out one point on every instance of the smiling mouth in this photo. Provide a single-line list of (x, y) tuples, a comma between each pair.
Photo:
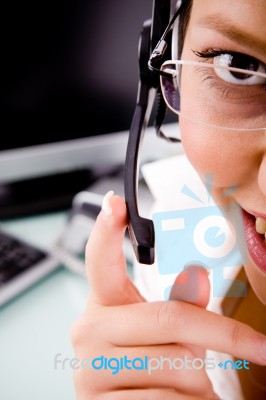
[(255, 228), (260, 226)]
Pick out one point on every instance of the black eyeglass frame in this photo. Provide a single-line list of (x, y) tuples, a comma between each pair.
[(157, 57)]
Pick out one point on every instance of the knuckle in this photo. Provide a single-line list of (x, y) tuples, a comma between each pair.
[(169, 315), (82, 329), (236, 335), (173, 351), (76, 331)]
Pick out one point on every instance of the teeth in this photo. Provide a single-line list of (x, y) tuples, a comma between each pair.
[(261, 226)]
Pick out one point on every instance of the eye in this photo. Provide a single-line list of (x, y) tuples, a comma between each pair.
[(247, 64)]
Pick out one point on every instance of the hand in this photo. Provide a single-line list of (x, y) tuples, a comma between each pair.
[(119, 322)]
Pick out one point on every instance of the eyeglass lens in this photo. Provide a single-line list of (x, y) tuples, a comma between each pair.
[(215, 95)]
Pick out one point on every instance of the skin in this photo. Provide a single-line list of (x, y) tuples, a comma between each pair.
[(118, 321), (209, 149)]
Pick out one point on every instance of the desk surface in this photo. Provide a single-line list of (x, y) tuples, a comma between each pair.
[(35, 326)]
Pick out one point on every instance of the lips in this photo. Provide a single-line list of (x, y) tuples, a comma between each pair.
[(255, 242)]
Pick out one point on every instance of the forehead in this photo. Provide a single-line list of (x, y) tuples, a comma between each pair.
[(248, 14), (244, 19)]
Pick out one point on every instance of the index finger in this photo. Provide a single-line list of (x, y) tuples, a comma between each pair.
[(106, 265), (176, 322)]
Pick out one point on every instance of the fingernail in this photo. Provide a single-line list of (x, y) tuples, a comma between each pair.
[(198, 266), (106, 207)]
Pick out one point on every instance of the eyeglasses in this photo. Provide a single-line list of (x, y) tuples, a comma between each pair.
[(209, 94), (215, 95)]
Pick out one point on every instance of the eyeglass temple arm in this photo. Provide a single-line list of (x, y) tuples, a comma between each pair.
[(141, 230), (161, 50)]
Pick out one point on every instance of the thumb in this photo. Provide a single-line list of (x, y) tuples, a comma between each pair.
[(106, 266), (192, 285)]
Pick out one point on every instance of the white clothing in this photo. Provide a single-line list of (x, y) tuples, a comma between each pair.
[(166, 179)]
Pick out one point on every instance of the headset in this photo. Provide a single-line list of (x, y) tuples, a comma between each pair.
[(154, 48)]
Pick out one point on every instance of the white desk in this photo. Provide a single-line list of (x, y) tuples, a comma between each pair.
[(35, 326)]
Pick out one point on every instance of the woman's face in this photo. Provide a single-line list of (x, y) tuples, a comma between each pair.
[(233, 158)]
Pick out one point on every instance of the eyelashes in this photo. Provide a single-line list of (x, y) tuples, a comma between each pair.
[(212, 52), (232, 59), (209, 53)]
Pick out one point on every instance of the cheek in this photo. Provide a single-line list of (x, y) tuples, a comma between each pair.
[(213, 152), (257, 280)]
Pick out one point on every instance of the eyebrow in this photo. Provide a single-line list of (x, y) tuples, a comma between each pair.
[(229, 30)]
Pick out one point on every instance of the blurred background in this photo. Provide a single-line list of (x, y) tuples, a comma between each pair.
[(69, 78), (70, 68), (69, 75)]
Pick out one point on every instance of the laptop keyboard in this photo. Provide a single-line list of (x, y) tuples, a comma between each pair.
[(21, 265), (16, 257)]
